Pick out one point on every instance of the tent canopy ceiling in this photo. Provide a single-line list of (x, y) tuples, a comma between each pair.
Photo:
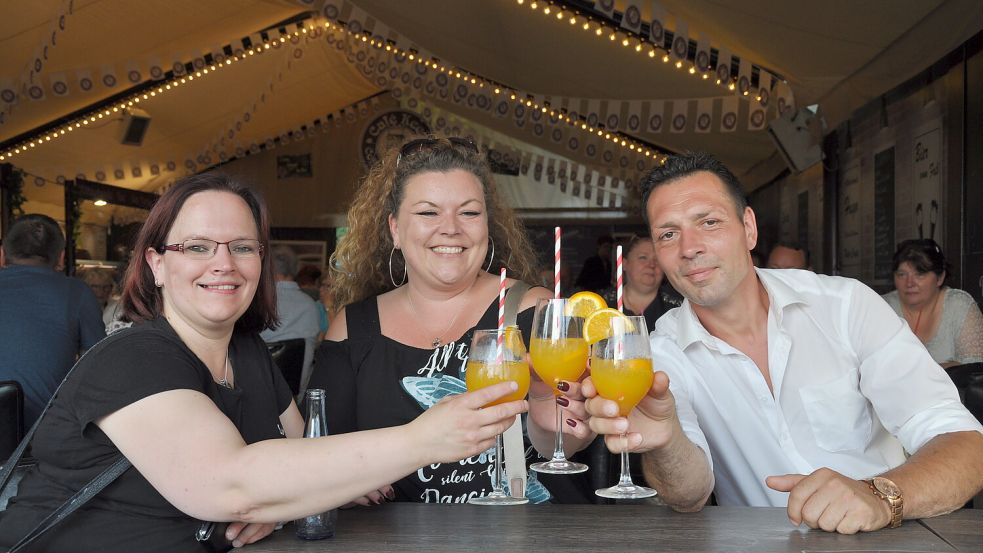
[(839, 54)]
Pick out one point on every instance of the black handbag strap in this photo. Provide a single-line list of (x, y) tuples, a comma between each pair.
[(80, 498), (87, 491)]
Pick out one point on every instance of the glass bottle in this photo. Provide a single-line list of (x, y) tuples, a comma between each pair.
[(319, 526)]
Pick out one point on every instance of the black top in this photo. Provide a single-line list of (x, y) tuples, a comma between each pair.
[(130, 515), (373, 381), (666, 299)]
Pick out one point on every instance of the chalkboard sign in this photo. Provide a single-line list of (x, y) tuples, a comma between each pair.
[(883, 213)]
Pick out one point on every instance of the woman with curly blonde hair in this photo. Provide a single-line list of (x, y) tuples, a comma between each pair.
[(417, 273)]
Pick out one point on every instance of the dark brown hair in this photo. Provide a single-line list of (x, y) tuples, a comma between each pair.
[(684, 165), (142, 300), (34, 239), (924, 255)]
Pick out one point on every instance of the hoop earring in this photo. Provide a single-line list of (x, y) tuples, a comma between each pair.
[(492, 258), (391, 277)]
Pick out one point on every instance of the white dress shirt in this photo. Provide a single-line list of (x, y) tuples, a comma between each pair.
[(853, 388)]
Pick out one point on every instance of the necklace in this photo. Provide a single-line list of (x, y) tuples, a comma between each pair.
[(918, 319), (436, 343), (225, 378)]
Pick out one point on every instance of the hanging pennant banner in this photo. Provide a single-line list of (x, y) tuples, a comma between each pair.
[(59, 84), (656, 116), (744, 78), (756, 116), (702, 60), (679, 116), (764, 89), (728, 113), (657, 25), (785, 99), (723, 66), (633, 123), (631, 19), (606, 7), (680, 42), (704, 115)]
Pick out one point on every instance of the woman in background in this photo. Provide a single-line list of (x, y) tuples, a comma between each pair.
[(946, 320)]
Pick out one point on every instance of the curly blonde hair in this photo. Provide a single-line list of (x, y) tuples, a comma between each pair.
[(360, 266)]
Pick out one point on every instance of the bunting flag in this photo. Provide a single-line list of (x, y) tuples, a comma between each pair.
[(702, 61), (680, 42), (631, 19), (704, 115), (612, 115), (656, 117), (756, 116), (633, 123), (785, 100), (657, 28), (605, 7), (723, 66), (744, 78), (728, 113), (59, 84), (764, 89), (679, 114)]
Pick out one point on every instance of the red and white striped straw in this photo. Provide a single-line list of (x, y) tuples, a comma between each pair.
[(501, 316), (556, 263), (621, 283)]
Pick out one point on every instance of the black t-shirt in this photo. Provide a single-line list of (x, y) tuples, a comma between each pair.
[(372, 381), (667, 298), (130, 515)]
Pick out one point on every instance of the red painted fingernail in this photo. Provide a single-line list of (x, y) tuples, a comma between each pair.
[(391, 494), (572, 423), (563, 386), (562, 401)]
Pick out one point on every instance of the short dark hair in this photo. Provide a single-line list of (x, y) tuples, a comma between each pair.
[(793, 246), (684, 165), (605, 239), (34, 239), (924, 254), (141, 299)]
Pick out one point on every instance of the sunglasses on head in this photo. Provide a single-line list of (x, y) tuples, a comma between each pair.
[(422, 144)]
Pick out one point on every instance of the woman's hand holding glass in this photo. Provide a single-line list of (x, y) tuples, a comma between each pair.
[(498, 356), (457, 427)]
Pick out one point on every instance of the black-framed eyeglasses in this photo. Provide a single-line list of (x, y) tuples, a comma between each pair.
[(421, 144), (203, 248)]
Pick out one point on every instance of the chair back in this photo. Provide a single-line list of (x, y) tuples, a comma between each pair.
[(968, 379), (11, 417), (289, 358)]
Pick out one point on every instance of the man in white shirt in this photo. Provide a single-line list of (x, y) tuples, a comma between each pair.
[(788, 388), (297, 311)]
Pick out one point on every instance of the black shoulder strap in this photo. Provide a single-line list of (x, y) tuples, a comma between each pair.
[(363, 318), (80, 498), (87, 492)]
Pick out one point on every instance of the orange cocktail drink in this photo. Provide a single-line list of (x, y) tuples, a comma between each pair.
[(624, 381), (558, 359), (479, 375)]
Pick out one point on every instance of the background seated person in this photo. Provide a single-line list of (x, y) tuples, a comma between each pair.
[(787, 388), (789, 256), (190, 396), (46, 318), (415, 284), (946, 320), (646, 292)]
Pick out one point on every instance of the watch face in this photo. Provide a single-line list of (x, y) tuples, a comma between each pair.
[(886, 487)]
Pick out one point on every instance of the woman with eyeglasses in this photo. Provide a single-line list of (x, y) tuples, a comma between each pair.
[(417, 273), (190, 396), (646, 292), (946, 320)]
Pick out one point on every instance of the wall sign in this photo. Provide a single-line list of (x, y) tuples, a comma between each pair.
[(389, 130)]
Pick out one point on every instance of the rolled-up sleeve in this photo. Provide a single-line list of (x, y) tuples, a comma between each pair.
[(911, 394)]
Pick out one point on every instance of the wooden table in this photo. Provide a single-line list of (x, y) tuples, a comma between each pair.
[(589, 528)]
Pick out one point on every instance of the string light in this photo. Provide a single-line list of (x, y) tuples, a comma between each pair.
[(528, 103), (122, 104)]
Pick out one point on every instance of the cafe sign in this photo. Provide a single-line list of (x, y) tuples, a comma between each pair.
[(390, 130)]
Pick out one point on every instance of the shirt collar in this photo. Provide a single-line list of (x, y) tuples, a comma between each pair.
[(287, 284), (780, 296)]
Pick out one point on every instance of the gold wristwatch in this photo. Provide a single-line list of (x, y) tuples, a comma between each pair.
[(890, 492)]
